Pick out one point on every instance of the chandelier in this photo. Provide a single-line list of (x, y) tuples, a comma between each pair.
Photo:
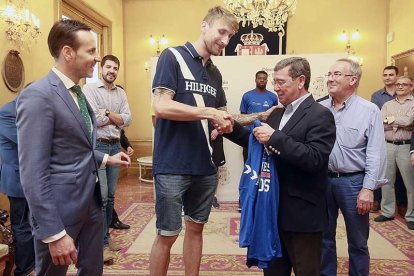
[(348, 37), (271, 14), (22, 27)]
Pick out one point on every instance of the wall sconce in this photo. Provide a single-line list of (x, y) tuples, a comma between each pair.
[(21, 25), (348, 37), (159, 43), (146, 67)]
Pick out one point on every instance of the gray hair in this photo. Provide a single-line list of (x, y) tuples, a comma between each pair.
[(354, 68), (298, 66)]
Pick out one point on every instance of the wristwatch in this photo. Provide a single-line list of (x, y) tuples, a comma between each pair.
[(107, 112)]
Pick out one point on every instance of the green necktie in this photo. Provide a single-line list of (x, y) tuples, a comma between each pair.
[(83, 109)]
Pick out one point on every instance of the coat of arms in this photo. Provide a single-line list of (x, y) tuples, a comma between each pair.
[(251, 45)]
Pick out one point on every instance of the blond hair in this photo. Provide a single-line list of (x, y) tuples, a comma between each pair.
[(219, 12)]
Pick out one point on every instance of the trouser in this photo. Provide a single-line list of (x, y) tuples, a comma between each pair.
[(398, 156), (108, 177), (22, 232), (342, 193)]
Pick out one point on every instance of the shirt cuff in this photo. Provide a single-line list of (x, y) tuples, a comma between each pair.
[(372, 184), (390, 119), (56, 237), (411, 152), (104, 160)]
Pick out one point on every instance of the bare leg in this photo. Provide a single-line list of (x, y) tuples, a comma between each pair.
[(160, 255), (193, 246)]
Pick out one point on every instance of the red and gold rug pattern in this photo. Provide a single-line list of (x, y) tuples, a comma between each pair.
[(394, 236)]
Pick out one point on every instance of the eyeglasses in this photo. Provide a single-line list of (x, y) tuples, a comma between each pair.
[(337, 75), (281, 83), (402, 84)]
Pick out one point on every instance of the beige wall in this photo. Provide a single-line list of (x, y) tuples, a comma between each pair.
[(156, 17), (313, 29), (37, 62), (401, 18), (316, 24)]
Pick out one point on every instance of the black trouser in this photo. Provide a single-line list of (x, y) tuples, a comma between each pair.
[(300, 251)]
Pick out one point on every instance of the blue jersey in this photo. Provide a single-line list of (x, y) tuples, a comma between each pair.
[(182, 147), (253, 102), (259, 197)]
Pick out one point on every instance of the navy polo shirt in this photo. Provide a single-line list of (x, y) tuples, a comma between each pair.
[(182, 147)]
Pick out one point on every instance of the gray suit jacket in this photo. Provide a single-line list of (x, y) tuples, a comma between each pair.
[(9, 172), (58, 163)]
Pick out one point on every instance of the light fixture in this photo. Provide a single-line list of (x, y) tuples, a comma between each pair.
[(271, 14), (158, 42), (348, 37), (21, 25)]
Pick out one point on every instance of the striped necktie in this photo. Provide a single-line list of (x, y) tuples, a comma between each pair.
[(83, 108)]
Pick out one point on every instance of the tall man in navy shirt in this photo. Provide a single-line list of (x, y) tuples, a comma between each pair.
[(184, 103)]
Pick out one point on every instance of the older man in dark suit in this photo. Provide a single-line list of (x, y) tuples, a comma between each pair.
[(10, 186), (58, 164), (301, 137)]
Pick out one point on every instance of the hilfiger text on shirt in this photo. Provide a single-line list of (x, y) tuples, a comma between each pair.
[(195, 86)]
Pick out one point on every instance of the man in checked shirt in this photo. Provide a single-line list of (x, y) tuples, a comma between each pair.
[(398, 116)]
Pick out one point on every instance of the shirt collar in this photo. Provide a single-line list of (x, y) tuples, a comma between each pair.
[(66, 81), (384, 91), (190, 48), (410, 98), (295, 104), (347, 103), (100, 84)]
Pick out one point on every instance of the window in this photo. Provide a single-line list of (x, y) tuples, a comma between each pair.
[(101, 27)]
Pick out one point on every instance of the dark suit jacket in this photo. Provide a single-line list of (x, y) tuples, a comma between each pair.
[(58, 164), (9, 177), (302, 151)]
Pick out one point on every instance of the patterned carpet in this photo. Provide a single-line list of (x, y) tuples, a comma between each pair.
[(391, 245)]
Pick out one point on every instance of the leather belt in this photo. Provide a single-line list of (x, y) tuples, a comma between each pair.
[(343, 174), (108, 141), (401, 142)]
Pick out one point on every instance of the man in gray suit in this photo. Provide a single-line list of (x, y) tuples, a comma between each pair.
[(58, 164)]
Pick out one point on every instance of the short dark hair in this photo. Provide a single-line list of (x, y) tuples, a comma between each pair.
[(261, 72), (64, 32), (298, 66), (110, 57), (391, 67)]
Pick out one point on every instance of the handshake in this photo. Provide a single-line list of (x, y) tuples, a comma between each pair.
[(222, 121)]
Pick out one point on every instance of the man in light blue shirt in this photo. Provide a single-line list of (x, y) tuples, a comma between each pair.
[(356, 166)]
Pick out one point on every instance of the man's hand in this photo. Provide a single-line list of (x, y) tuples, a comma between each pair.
[(119, 159), (214, 134), (412, 159), (63, 251), (222, 121), (263, 133), (130, 151), (365, 201), (264, 115)]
